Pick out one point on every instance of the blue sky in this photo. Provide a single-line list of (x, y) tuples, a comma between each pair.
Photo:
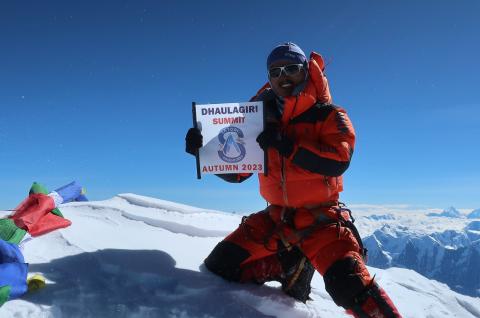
[(101, 92)]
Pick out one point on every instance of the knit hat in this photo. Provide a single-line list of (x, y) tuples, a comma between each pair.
[(288, 51)]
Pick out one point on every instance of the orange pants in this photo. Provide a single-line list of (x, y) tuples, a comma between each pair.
[(248, 254), (260, 232)]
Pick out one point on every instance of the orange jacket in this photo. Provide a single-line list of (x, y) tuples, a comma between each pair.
[(324, 141)]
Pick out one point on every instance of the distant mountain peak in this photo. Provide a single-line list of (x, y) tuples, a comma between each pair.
[(450, 212), (475, 214)]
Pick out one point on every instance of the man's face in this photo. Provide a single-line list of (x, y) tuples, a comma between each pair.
[(284, 84)]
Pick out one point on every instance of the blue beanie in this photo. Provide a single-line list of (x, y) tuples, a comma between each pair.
[(288, 51)]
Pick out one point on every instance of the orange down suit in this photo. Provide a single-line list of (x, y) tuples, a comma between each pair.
[(310, 177), (301, 187)]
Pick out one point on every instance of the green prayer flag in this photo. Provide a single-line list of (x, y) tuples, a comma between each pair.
[(4, 294), (38, 188), (10, 232)]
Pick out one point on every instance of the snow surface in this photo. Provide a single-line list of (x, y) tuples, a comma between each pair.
[(133, 256)]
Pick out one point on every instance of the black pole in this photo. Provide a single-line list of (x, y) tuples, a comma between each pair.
[(265, 152), (197, 158)]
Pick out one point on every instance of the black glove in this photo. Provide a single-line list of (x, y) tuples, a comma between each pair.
[(193, 141), (271, 137)]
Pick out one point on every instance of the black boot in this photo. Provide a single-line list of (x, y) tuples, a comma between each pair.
[(298, 274), (225, 260)]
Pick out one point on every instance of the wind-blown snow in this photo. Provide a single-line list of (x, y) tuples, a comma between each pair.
[(133, 256)]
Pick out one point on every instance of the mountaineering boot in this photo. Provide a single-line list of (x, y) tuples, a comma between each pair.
[(298, 274), (374, 303), (290, 268), (225, 260), (349, 284)]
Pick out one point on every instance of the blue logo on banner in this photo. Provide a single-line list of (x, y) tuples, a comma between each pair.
[(232, 147)]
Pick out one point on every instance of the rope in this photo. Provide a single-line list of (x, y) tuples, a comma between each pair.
[(297, 273)]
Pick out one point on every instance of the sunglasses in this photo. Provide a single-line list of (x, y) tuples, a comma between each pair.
[(290, 69)]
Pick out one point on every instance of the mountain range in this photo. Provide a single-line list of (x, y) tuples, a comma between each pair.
[(442, 246)]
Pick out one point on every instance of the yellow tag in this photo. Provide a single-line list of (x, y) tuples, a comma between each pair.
[(35, 282)]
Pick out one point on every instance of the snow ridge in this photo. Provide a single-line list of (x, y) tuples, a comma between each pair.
[(133, 256)]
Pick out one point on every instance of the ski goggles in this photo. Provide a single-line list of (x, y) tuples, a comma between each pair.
[(290, 69)]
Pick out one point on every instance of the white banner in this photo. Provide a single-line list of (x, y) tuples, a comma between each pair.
[(229, 132)]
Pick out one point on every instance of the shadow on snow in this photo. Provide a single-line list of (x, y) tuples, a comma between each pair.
[(143, 283)]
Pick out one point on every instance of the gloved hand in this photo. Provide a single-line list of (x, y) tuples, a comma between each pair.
[(193, 141), (271, 137)]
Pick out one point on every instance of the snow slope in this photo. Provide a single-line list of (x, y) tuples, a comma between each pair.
[(133, 256)]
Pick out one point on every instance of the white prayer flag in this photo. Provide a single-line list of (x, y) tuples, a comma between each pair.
[(229, 137)]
